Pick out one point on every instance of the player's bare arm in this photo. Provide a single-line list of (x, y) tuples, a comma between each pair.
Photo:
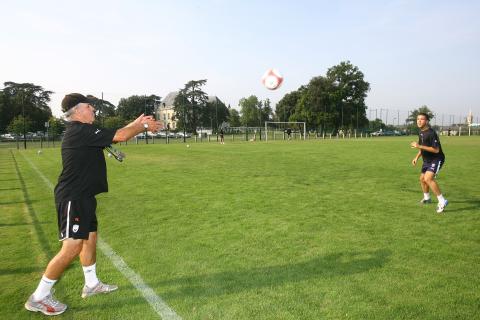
[(135, 127), (415, 145), (414, 161)]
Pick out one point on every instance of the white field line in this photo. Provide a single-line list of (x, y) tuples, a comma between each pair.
[(157, 303)]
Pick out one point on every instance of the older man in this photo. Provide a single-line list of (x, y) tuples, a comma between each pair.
[(83, 176)]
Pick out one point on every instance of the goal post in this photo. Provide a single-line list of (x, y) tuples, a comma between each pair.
[(274, 127)]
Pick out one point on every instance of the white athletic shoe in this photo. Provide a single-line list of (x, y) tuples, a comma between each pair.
[(442, 206), (425, 201), (48, 305), (99, 288)]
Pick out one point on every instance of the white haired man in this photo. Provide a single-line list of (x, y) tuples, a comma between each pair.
[(84, 175)]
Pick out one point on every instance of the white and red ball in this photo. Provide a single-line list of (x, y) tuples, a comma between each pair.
[(272, 79)]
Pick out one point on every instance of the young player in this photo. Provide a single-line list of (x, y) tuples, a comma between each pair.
[(430, 149)]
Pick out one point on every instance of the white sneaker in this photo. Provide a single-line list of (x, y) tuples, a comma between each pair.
[(48, 305), (99, 288), (442, 206), (425, 201)]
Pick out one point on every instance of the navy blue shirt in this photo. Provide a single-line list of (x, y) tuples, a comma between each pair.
[(84, 171), (429, 138)]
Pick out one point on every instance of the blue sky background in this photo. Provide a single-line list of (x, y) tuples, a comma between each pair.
[(412, 52)]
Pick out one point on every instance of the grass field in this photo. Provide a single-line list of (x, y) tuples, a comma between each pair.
[(280, 230)]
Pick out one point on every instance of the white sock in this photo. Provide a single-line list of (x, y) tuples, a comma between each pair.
[(426, 195), (90, 273), (441, 199), (43, 289)]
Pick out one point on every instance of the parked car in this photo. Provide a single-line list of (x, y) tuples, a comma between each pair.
[(8, 136), (180, 135)]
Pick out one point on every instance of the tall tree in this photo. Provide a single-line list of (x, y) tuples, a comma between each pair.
[(329, 102), (115, 122), (349, 92), (233, 117), (412, 118), (250, 111), (104, 109), (133, 106), (190, 104), (17, 125), (24, 98), (213, 114), (286, 106), (56, 126)]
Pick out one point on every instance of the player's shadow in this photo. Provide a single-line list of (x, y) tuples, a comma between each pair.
[(7, 225), (228, 282), (44, 243), (20, 270), (468, 205), (9, 189)]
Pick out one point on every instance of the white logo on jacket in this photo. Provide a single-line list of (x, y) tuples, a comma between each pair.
[(75, 228)]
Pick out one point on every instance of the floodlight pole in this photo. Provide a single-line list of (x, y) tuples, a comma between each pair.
[(23, 115), (184, 118)]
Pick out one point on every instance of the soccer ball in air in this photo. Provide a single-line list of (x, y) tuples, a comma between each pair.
[(272, 79)]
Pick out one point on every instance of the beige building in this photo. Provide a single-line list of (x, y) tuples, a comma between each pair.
[(165, 112)]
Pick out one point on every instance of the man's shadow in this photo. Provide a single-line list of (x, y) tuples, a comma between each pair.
[(228, 282)]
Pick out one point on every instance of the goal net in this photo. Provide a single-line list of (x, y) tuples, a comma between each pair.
[(285, 130)]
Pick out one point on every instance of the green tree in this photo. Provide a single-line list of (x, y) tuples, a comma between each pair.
[(103, 109), (17, 125), (329, 102), (233, 117), (190, 104), (130, 108), (349, 93), (286, 106), (376, 125), (213, 114), (250, 111), (315, 105), (412, 118), (56, 126), (24, 98), (114, 122)]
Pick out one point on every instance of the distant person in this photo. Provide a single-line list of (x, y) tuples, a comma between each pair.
[(222, 141), (449, 131), (84, 175), (433, 159), (289, 133)]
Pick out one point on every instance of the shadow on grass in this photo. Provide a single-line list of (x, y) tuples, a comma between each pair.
[(44, 243), (8, 189), (6, 225), (228, 282), (10, 202), (472, 205), (20, 270)]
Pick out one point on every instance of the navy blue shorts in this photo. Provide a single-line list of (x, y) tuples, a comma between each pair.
[(76, 218), (433, 166)]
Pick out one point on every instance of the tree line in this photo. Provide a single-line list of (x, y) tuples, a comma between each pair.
[(330, 102)]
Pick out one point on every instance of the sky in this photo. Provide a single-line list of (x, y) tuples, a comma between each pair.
[(412, 53)]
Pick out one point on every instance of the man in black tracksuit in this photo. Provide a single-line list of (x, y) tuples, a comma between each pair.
[(84, 175)]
